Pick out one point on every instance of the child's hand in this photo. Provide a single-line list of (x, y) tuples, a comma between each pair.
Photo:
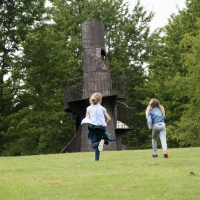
[(149, 127)]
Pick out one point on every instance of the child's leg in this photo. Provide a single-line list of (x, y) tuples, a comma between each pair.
[(95, 145), (154, 139), (163, 138)]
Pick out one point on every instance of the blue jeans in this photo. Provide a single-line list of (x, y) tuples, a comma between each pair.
[(95, 143)]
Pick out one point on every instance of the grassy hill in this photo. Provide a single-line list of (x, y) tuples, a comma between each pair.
[(118, 175)]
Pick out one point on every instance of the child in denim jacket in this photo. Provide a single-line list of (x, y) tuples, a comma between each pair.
[(155, 114)]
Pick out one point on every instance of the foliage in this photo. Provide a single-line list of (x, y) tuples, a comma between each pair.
[(167, 65), (187, 130), (41, 50), (49, 53), (16, 20)]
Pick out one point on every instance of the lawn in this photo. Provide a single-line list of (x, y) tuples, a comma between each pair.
[(119, 175)]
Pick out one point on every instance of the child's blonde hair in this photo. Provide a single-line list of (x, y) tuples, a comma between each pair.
[(154, 103), (96, 98)]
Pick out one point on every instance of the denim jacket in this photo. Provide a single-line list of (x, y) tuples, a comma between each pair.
[(155, 116)]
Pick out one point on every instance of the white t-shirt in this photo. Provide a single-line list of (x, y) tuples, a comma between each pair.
[(96, 115)]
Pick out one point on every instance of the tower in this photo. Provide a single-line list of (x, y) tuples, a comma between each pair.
[(96, 78)]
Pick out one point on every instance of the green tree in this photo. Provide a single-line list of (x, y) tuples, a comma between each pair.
[(41, 125), (166, 64), (187, 130), (16, 20)]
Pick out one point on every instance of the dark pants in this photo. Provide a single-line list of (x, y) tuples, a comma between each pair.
[(95, 143)]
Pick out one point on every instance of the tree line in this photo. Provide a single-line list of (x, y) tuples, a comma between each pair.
[(41, 50)]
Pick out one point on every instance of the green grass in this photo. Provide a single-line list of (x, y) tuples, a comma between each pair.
[(118, 175)]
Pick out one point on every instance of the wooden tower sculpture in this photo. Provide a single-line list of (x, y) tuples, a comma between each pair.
[(96, 78)]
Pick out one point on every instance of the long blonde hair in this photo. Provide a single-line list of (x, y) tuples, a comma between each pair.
[(154, 103), (96, 98)]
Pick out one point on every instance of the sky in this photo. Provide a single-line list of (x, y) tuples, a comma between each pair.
[(162, 9)]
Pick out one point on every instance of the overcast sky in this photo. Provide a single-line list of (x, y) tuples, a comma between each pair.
[(162, 9)]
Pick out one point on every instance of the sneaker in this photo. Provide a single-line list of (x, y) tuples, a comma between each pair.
[(165, 154), (154, 155), (100, 147)]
